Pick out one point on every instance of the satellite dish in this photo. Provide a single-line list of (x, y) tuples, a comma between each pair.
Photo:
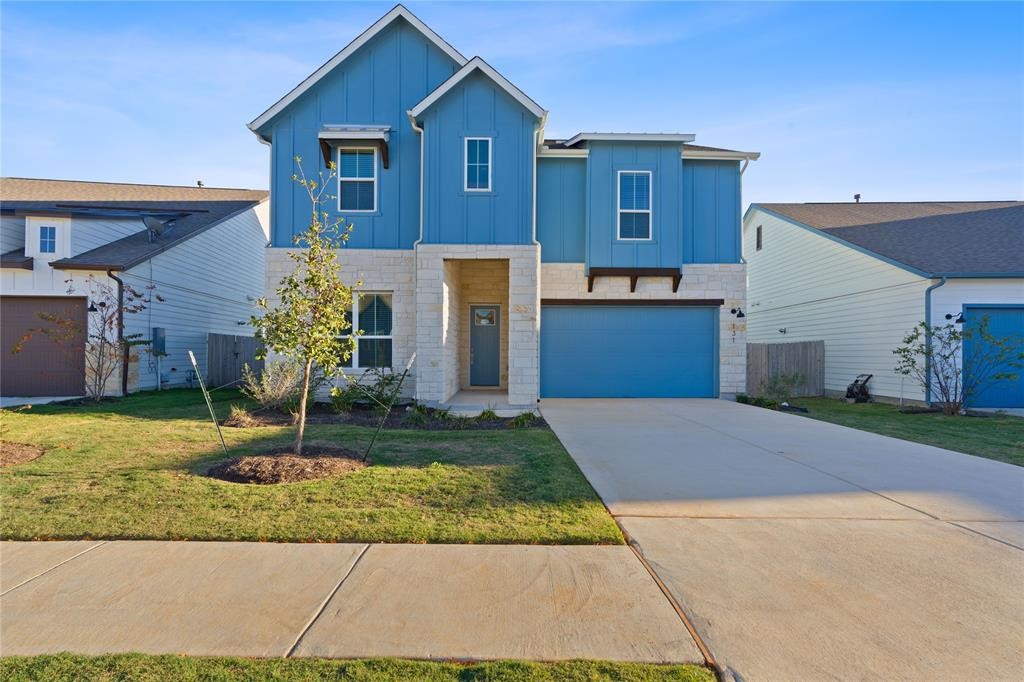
[(155, 227)]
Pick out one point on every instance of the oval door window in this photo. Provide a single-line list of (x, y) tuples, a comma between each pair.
[(484, 317)]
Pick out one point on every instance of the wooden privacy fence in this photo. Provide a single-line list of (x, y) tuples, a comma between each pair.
[(806, 358), (226, 355)]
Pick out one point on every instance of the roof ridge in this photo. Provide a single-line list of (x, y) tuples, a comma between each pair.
[(133, 184)]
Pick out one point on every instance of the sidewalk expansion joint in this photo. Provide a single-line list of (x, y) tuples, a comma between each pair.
[(54, 567), (326, 601), (985, 535)]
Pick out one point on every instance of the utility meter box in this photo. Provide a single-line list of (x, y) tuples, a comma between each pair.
[(159, 342)]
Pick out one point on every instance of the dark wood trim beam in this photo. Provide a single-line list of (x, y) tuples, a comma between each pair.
[(325, 150), (634, 274), (700, 302)]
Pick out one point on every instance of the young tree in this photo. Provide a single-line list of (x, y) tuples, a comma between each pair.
[(310, 321), (105, 349), (935, 355)]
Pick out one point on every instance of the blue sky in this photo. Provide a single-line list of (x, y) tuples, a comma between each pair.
[(905, 102)]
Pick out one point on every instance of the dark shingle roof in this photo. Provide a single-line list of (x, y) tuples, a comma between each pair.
[(193, 209), (937, 238)]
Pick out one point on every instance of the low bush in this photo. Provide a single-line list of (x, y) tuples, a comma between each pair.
[(487, 415), (276, 387), (522, 421), (756, 401)]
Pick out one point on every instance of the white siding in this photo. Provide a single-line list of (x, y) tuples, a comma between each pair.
[(818, 289), (12, 233), (90, 233), (209, 283)]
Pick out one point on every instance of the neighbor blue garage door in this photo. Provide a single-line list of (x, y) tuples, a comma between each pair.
[(1002, 321), (628, 351)]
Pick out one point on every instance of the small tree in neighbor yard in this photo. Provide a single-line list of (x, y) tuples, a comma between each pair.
[(310, 317), (105, 350), (935, 355)]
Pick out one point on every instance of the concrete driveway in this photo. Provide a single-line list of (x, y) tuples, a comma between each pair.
[(804, 550)]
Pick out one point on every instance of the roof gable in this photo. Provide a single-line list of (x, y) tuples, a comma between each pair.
[(474, 65), (397, 12)]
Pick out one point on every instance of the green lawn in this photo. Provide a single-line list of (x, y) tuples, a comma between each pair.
[(132, 469), (140, 668), (999, 437)]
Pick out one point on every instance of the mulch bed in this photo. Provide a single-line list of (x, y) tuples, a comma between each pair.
[(400, 418), (12, 453), (282, 466)]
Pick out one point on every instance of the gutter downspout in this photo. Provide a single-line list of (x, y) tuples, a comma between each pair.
[(120, 331), (538, 141), (418, 129), (928, 340), (746, 162)]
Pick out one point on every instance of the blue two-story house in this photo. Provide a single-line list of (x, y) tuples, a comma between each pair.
[(511, 267)]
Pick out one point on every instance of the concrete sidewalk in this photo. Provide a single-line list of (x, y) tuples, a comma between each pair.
[(336, 601)]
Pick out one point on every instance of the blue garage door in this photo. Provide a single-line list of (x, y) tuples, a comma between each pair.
[(1002, 321), (628, 352)]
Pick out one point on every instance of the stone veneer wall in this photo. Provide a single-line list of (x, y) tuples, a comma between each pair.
[(437, 282), (482, 282), (379, 271), (727, 281)]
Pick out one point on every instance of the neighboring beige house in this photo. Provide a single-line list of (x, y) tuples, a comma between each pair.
[(206, 264), (858, 276)]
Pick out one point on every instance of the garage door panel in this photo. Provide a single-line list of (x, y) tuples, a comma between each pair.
[(1003, 321), (46, 365), (628, 351)]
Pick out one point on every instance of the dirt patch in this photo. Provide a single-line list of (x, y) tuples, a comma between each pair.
[(12, 453), (282, 466)]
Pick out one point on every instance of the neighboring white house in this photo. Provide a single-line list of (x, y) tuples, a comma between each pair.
[(859, 276), (202, 253)]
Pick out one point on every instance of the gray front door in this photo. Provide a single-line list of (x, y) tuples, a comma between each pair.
[(484, 345)]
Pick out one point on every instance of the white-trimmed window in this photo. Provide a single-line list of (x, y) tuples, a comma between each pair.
[(357, 179), (47, 239), (372, 315), (477, 175), (634, 205)]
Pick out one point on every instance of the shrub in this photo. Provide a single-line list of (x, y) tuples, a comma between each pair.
[(767, 403), (487, 415), (459, 422), (522, 420), (417, 415), (277, 387), (780, 387), (344, 399), (240, 417)]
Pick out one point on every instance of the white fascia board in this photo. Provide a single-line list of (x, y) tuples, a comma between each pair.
[(721, 156), (565, 153), (362, 39), (471, 66), (349, 132), (681, 138)]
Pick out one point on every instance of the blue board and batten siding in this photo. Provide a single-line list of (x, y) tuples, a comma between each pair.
[(695, 208), (562, 209), (376, 85), (711, 211), (592, 352), (478, 107), (1003, 321)]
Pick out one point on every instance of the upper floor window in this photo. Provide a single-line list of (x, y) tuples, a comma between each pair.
[(478, 164), (634, 204), (357, 180), (758, 238), (47, 239)]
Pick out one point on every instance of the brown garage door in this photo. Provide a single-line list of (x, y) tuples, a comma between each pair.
[(47, 364)]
